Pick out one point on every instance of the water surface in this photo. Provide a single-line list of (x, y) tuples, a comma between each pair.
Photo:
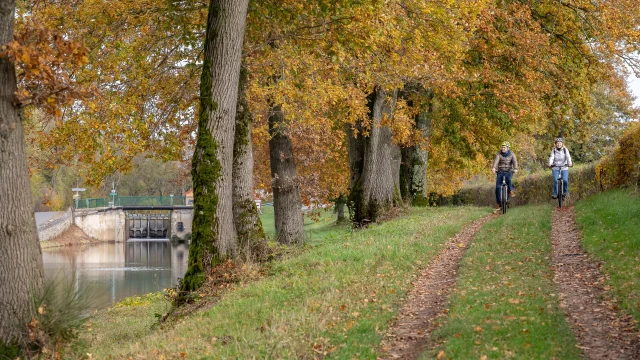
[(107, 273)]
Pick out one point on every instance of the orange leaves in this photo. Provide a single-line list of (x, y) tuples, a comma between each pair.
[(46, 61)]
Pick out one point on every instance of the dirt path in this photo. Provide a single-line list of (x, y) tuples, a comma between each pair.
[(601, 331), (409, 334)]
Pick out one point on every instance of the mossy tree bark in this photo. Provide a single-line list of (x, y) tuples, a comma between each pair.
[(21, 272), (413, 179), (252, 243), (373, 170), (214, 235), (287, 204)]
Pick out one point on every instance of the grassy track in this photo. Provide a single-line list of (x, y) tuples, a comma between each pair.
[(504, 305), (335, 299), (610, 224)]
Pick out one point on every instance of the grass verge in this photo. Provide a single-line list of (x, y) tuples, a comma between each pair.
[(315, 230), (333, 300), (504, 305), (610, 224)]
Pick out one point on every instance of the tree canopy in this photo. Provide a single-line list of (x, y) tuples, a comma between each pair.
[(520, 70)]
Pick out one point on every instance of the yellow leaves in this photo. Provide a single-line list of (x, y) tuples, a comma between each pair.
[(45, 60)]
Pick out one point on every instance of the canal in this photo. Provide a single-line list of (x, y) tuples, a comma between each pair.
[(109, 272)]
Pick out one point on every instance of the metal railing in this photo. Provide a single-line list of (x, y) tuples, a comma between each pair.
[(132, 201)]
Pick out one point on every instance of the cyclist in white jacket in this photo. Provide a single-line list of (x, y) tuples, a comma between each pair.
[(560, 161)]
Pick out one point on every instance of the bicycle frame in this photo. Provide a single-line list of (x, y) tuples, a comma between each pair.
[(504, 198), (560, 186)]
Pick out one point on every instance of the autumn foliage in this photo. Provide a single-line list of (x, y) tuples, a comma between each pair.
[(519, 70)]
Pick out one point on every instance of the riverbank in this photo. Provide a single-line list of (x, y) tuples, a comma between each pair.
[(336, 297), (71, 237)]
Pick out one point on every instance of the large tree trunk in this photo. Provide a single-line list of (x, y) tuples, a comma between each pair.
[(286, 189), (340, 203), (252, 242), (373, 191), (214, 237), (21, 273), (415, 159)]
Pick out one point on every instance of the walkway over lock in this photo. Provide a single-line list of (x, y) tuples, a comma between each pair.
[(126, 201)]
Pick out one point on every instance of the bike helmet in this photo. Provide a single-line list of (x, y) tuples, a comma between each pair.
[(559, 140), (506, 143)]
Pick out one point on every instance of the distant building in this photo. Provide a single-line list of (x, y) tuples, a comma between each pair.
[(189, 197)]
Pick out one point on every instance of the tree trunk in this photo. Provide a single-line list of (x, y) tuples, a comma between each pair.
[(373, 191), (286, 190), (21, 272), (214, 237), (340, 202), (355, 145), (396, 162), (252, 242), (415, 158), (405, 173)]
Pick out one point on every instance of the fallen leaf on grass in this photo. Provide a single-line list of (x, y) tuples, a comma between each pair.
[(441, 355)]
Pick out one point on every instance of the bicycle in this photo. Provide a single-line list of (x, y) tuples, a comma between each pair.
[(561, 192), (504, 198)]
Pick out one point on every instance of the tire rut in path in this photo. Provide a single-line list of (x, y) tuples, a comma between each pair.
[(601, 332), (409, 334)]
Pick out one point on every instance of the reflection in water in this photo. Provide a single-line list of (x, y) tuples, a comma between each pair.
[(107, 273)]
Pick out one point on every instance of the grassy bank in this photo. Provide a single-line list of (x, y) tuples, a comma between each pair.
[(610, 224), (504, 304), (315, 230), (335, 299)]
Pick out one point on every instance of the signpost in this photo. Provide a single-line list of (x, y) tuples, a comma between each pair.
[(76, 197), (113, 197)]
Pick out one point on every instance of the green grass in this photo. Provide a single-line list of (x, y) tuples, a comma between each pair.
[(337, 298), (315, 229), (504, 305), (610, 224)]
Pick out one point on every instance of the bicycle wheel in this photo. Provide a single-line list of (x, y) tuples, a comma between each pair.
[(503, 201), (560, 192)]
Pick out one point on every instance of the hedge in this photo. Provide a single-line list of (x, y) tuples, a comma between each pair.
[(620, 168)]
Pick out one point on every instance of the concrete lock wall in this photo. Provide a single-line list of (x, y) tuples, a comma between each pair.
[(181, 226), (55, 226), (102, 224)]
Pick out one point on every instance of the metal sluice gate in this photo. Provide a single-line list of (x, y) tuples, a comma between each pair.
[(148, 226)]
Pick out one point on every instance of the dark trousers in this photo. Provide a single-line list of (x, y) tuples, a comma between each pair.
[(507, 178)]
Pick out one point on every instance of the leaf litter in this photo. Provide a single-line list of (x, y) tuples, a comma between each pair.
[(409, 334), (602, 331)]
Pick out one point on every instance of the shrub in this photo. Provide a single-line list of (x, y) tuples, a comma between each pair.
[(620, 168), (60, 312)]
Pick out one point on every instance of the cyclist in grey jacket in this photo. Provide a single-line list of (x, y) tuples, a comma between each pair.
[(504, 165), (560, 162)]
